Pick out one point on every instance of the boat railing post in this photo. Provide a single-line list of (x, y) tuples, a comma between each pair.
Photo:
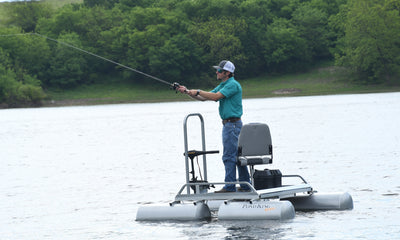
[(187, 150), (203, 136)]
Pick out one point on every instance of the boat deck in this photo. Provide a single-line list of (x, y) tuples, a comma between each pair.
[(278, 192)]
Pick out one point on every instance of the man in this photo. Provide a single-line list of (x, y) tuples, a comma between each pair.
[(229, 95)]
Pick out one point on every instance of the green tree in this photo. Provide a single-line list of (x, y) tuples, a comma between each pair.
[(371, 44), (219, 37), (94, 25), (203, 10), (283, 47), (312, 24), (68, 66), (257, 16), (105, 3), (330, 7), (128, 4), (179, 59), (143, 33), (66, 19), (16, 87), (27, 52), (27, 13)]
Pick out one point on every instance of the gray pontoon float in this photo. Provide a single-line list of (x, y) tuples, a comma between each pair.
[(268, 198)]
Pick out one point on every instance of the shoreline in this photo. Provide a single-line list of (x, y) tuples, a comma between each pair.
[(107, 101), (316, 82), (290, 92)]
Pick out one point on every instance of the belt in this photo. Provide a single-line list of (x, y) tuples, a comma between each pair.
[(232, 120)]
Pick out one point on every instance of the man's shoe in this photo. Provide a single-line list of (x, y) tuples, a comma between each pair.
[(243, 189), (223, 190)]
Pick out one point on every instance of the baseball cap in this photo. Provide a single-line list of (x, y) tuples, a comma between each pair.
[(225, 65)]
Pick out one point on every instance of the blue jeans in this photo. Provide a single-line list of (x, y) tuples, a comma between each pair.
[(230, 137)]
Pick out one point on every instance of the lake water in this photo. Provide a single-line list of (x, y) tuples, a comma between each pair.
[(82, 172)]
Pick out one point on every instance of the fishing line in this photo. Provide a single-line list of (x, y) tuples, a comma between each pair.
[(173, 85)]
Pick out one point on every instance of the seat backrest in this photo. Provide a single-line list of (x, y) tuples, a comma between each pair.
[(255, 140)]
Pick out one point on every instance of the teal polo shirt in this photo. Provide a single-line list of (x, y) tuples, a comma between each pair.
[(231, 105)]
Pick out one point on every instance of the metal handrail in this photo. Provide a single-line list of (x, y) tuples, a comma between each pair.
[(203, 140), (304, 181)]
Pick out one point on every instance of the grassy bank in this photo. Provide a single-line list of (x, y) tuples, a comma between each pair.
[(319, 81), (326, 80)]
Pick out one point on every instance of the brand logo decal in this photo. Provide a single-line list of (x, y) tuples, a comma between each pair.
[(266, 207)]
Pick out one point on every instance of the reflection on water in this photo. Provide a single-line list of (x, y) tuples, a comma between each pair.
[(82, 172)]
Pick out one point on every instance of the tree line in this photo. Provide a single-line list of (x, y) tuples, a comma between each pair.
[(178, 40)]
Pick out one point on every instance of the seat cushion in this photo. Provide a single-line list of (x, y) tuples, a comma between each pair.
[(245, 161)]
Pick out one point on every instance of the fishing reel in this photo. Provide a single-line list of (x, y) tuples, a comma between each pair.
[(175, 86)]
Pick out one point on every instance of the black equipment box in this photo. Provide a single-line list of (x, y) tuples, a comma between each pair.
[(267, 179)]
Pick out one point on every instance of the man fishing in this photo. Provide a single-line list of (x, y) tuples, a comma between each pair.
[(229, 95)]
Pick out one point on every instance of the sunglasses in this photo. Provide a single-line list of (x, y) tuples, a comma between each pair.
[(220, 70)]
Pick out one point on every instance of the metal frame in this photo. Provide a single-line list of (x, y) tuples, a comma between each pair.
[(199, 195)]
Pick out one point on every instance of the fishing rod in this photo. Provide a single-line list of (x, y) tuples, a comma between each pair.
[(174, 85)]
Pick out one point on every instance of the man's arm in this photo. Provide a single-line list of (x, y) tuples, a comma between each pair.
[(201, 95)]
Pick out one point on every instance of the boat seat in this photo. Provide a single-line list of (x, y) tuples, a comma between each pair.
[(254, 146)]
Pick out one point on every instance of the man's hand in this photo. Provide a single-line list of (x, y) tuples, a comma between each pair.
[(182, 89)]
